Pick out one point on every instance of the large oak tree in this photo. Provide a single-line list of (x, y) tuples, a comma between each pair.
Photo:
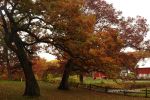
[(26, 23), (104, 46)]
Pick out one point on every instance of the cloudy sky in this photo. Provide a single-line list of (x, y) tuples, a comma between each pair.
[(133, 8)]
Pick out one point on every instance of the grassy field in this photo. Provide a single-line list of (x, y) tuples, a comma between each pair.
[(13, 90), (136, 84), (118, 83)]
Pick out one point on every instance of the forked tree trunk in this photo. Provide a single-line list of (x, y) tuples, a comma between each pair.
[(64, 84), (31, 85), (14, 42)]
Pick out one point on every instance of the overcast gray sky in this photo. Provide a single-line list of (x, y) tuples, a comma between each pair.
[(132, 7)]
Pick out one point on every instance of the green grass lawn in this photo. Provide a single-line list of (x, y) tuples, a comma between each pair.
[(13, 90), (118, 83)]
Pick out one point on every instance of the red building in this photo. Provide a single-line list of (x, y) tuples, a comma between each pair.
[(99, 75), (143, 73)]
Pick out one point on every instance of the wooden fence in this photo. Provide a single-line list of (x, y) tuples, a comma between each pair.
[(126, 92)]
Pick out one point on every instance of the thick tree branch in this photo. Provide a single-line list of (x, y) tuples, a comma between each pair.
[(4, 22)]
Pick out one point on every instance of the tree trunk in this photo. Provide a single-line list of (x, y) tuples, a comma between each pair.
[(64, 85), (32, 88), (81, 78), (31, 85), (15, 43)]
